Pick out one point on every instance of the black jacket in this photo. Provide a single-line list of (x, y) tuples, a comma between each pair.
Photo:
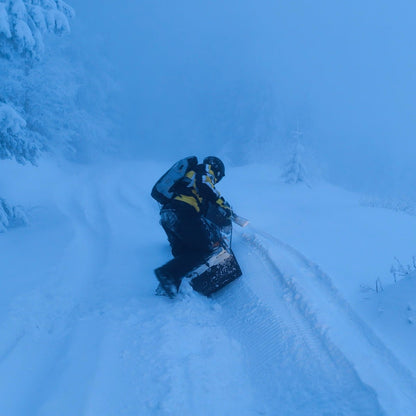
[(197, 189)]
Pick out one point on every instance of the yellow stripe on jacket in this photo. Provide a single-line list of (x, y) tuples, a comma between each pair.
[(192, 193), (189, 200), (194, 200)]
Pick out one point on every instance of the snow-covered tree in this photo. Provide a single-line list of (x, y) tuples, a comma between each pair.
[(23, 27), (23, 24), (295, 171)]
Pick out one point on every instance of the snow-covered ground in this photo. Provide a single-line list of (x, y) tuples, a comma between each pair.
[(303, 332)]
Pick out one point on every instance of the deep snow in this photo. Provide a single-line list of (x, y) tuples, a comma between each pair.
[(81, 332)]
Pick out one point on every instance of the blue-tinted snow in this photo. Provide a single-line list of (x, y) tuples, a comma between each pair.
[(83, 333)]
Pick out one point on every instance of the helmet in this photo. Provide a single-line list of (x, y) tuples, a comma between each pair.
[(216, 166)]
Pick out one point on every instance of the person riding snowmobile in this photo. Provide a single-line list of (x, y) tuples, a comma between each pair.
[(192, 219)]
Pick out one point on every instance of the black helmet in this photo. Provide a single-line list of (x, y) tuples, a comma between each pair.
[(216, 166)]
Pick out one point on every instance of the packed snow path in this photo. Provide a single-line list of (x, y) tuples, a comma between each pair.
[(83, 334)]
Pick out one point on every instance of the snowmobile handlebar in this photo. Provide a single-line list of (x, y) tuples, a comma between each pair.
[(241, 221)]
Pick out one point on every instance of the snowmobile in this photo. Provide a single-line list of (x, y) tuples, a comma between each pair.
[(211, 272), (206, 275)]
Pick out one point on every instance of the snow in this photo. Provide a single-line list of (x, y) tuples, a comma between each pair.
[(38, 16), (57, 21), (11, 216), (15, 141), (82, 333), (25, 23), (18, 9), (10, 120), (4, 22), (318, 325)]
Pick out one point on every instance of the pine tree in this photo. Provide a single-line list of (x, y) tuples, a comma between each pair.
[(295, 171), (23, 26)]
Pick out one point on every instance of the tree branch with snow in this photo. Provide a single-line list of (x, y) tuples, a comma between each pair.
[(11, 216), (15, 141), (23, 24)]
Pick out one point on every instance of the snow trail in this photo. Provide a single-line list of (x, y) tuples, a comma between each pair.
[(87, 336), (313, 292), (293, 367)]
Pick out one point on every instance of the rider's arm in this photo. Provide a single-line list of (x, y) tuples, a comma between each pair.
[(208, 192)]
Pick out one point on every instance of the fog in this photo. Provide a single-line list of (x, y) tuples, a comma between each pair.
[(235, 78)]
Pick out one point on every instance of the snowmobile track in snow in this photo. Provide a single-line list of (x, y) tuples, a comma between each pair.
[(306, 287), (294, 368)]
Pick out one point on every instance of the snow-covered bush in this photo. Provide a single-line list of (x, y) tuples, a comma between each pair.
[(10, 216), (400, 271), (406, 206)]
